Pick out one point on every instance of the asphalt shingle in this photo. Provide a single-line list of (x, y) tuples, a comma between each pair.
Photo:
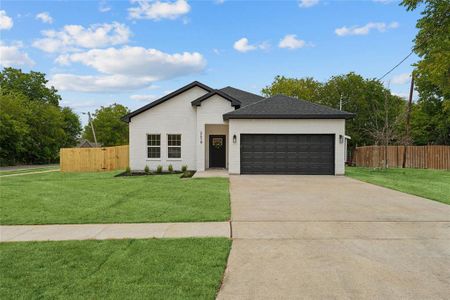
[(284, 107)]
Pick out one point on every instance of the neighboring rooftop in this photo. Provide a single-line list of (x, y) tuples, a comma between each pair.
[(284, 107)]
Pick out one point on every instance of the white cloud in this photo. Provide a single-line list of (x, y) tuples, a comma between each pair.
[(148, 98), (401, 78), (11, 55), (219, 1), (403, 95), (44, 17), (98, 83), (157, 10), (72, 37), (307, 3), (291, 41), (138, 61), (6, 22), (242, 45), (127, 68), (78, 104), (103, 6), (364, 30)]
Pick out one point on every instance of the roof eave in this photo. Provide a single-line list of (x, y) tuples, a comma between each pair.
[(277, 116)]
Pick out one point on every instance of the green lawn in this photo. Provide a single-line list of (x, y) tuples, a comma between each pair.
[(58, 198), (114, 269), (431, 184)]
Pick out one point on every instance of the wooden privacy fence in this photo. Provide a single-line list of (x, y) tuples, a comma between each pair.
[(424, 157), (93, 159)]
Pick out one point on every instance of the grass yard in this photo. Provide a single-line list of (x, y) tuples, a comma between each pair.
[(64, 198), (427, 183), (114, 269), (28, 170)]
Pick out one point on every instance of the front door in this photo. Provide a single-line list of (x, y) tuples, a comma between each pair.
[(217, 151)]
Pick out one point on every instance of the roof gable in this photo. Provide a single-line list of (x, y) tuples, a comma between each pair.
[(128, 117), (284, 107), (234, 102)]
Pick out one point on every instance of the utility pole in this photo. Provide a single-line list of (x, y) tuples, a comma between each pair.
[(92, 125), (408, 118)]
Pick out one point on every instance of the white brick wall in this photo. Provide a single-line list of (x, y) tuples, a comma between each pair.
[(318, 126), (175, 116)]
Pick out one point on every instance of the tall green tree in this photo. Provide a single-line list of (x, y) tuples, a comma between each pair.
[(430, 122), (110, 130), (302, 88), (32, 125), (33, 85)]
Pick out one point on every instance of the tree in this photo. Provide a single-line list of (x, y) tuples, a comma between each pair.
[(14, 128), (430, 119), (33, 85), (32, 126), (72, 127), (302, 88), (109, 128), (365, 97)]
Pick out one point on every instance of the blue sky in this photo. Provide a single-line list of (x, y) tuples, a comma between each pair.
[(132, 52)]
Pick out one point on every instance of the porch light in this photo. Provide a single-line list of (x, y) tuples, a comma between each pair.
[(341, 139), (234, 139)]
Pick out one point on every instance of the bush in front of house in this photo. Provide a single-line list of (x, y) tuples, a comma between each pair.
[(128, 171), (184, 168), (170, 168), (147, 170), (159, 169)]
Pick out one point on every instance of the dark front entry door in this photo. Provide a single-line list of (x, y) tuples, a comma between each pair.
[(217, 150)]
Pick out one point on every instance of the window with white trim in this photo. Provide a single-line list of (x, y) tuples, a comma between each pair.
[(174, 146), (153, 145)]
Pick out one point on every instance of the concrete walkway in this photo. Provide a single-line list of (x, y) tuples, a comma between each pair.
[(332, 237), (211, 173), (20, 233)]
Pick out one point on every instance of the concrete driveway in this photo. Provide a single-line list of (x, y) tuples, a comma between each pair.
[(327, 237)]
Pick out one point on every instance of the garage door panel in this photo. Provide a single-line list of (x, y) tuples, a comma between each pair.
[(287, 154)]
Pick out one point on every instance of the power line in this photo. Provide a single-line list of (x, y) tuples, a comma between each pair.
[(396, 65)]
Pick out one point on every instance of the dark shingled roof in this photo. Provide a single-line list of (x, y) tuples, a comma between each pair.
[(284, 107), (244, 97)]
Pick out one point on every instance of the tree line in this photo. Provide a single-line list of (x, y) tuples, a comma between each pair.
[(33, 126)]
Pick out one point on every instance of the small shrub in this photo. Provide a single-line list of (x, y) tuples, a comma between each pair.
[(159, 169), (128, 171), (170, 168), (183, 168), (147, 170)]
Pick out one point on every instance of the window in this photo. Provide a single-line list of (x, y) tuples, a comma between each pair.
[(174, 145), (153, 145)]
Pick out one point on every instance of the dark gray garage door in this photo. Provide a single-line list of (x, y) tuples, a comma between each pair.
[(311, 154)]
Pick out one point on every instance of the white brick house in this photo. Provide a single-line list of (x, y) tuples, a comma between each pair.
[(203, 128)]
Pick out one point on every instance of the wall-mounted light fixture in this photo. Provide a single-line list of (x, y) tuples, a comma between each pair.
[(234, 139), (341, 139), (201, 137)]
